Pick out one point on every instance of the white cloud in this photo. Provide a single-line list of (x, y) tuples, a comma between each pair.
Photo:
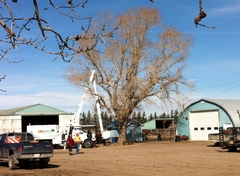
[(233, 8)]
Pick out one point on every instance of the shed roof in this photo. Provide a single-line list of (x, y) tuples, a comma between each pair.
[(113, 125), (133, 121), (231, 107), (37, 109)]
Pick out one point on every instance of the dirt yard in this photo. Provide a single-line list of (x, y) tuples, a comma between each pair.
[(148, 158)]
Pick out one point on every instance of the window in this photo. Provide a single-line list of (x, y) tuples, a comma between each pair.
[(195, 129), (215, 128), (209, 128), (202, 128)]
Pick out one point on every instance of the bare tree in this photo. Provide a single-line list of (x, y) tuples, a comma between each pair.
[(133, 66), (19, 28)]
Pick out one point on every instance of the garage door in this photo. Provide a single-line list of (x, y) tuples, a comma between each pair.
[(203, 123)]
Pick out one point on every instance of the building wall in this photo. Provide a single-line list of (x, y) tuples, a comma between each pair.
[(10, 123), (183, 123), (149, 125)]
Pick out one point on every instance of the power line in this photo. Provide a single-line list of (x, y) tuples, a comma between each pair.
[(225, 91), (220, 85)]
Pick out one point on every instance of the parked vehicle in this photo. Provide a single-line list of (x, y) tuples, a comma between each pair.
[(215, 137), (20, 148), (58, 135), (233, 139)]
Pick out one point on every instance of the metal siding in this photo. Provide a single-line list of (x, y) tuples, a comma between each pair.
[(129, 133), (134, 131), (139, 129), (10, 124), (149, 125)]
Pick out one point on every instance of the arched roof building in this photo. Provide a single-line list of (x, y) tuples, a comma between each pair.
[(205, 116)]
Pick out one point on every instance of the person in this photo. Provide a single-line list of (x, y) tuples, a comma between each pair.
[(99, 137), (70, 143), (89, 134), (77, 141)]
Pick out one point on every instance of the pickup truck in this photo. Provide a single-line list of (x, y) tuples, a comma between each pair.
[(233, 140), (215, 137), (20, 148)]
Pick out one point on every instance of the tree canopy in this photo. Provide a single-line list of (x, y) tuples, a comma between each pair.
[(133, 65)]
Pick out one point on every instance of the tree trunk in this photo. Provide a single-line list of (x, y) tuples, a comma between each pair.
[(122, 135)]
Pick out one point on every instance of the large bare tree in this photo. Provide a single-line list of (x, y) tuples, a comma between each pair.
[(20, 20), (143, 59)]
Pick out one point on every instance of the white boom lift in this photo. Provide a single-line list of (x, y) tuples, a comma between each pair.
[(59, 136), (105, 134), (75, 122)]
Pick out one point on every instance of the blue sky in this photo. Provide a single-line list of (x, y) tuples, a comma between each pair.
[(213, 61)]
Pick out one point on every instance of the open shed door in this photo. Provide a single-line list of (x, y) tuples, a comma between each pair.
[(202, 123)]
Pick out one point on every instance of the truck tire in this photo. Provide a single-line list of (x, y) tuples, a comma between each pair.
[(43, 163), (11, 163), (88, 143), (233, 149)]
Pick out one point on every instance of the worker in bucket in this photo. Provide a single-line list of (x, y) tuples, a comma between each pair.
[(70, 143), (77, 142)]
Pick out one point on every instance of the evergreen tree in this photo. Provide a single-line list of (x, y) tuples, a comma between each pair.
[(150, 117), (176, 116), (155, 116), (134, 115), (139, 117), (143, 118), (83, 118), (163, 115), (88, 118)]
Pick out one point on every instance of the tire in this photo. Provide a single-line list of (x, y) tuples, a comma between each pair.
[(234, 149), (88, 144), (43, 163), (11, 163)]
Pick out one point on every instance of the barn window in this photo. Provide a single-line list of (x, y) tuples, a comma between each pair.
[(215, 128), (202, 128), (209, 128), (195, 129)]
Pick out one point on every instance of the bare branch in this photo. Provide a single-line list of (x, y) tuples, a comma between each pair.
[(38, 17), (202, 14), (0, 81)]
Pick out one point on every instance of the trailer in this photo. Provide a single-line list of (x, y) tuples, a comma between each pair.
[(233, 139)]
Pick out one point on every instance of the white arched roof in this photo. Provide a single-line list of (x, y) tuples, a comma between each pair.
[(232, 107)]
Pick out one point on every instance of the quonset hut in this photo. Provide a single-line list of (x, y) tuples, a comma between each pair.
[(206, 116)]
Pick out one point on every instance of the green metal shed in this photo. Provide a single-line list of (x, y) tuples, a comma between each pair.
[(159, 123)]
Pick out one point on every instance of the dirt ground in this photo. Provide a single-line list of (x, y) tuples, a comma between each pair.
[(147, 158)]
